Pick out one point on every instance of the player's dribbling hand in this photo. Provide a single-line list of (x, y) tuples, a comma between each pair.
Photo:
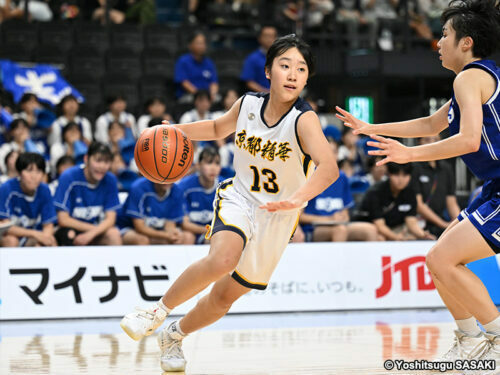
[(391, 149), (289, 204), (357, 126)]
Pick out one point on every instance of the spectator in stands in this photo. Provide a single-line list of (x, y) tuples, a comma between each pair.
[(253, 73), (199, 194), (121, 141), (117, 112), (19, 140), (326, 217), (433, 9), (383, 13), (63, 163), (10, 166), (125, 174), (37, 10), (201, 110), (98, 11), (155, 108), (142, 12), (392, 206), (26, 201), (86, 201), (69, 108), (376, 173), (315, 16), (349, 149), (434, 184), (72, 144), (194, 71), (151, 213), (350, 14)]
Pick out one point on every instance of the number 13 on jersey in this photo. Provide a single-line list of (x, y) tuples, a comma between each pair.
[(271, 186)]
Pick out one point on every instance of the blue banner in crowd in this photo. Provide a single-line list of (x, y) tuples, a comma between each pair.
[(44, 81)]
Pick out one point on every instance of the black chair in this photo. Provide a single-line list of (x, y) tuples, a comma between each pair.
[(92, 35), (158, 61), (119, 84), (124, 61), (87, 60), (20, 33), (228, 63), (14, 53), (153, 85), (58, 34), (160, 36), (51, 54), (91, 91), (127, 36)]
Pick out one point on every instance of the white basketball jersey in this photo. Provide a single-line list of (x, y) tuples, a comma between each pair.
[(268, 159)]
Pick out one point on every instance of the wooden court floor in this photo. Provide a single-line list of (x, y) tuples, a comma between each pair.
[(330, 349)]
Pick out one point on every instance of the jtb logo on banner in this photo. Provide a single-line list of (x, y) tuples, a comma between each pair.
[(423, 278)]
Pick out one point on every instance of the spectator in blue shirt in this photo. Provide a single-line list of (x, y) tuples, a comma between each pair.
[(199, 193), (86, 201), (194, 71), (28, 204), (151, 213), (253, 73)]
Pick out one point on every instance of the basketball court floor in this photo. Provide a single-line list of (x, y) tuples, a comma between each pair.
[(257, 344)]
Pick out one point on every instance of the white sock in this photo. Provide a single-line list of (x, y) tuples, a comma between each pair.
[(493, 327), (175, 331), (469, 326), (162, 305)]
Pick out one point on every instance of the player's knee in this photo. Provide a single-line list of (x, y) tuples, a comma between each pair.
[(10, 241), (339, 233), (141, 239), (188, 238), (113, 236), (222, 300), (433, 261), (222, 263), (371, 233)]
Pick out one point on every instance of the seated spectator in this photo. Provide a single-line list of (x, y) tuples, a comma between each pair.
[(69, 108), (384, 14), (37, 10), (326, 217), (350, 14), (151, 213), (117, 112), (121, 141), (253, 72), (199, 194), (19, 140), (97, 8), (201, 110), (26, 201), (86, 201), (316, 12), (125, 175), (63, 163), (155, 108), (194, 71), (433, 9), (434, 184), (10, 166), (72, 144), (376, 173), (349, 149), (392, 206)]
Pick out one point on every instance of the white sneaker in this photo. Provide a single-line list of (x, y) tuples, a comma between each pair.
[(143, 322), (466, 347), (493, 352), (172, 357)]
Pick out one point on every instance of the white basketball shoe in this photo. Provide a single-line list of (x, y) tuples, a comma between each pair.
[(466, 347), (493, 353), (143, 322), (170, 342)]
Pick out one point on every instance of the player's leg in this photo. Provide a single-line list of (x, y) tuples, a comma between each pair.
[(131, 237), (208, 310), (111, 237), (359, 231), (9, 240), (334, 233)]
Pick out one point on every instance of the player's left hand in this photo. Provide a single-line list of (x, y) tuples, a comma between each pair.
[(393, 150), (289, 204)]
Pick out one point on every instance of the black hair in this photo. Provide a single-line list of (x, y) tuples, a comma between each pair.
[(371, 161), (154, 121), (345, 130), (283, 44), (395, 168), (99, 148), (200, 94), (113, 98), (266, 26), (153, 99), (18, 122), (25, 159), (116, 122), (479, 19), (65, 160), (7, 157), (70, 125), (192, 36), (66, 98), (27, 97), (208, 154)]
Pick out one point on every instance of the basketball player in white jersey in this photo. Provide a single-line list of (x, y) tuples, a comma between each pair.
[(277, 137)]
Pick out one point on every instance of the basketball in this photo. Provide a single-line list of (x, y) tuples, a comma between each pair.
[(163, 154)]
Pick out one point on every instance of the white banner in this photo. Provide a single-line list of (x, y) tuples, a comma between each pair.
[(37, 283)]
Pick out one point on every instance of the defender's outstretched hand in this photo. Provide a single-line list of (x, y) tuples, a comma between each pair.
[(358, 126), (391, 149), (288, 204)]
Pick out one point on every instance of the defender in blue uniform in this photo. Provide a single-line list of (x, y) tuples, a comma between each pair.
[(27, 203), (471, 32)]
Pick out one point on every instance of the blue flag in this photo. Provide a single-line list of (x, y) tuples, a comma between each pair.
[(44, 81)]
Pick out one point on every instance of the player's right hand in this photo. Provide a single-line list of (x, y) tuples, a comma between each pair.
[(358, 126)]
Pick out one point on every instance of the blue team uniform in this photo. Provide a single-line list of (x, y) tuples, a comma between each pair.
[(253, 69), (336, 197), (84, 201), (200, 73), (484, 211), (144, 203), (198, 201), (30, 212)]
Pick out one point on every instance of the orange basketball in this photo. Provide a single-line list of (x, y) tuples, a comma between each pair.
[(163, 154)]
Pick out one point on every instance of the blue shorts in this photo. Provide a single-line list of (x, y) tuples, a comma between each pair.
[(484, 213)]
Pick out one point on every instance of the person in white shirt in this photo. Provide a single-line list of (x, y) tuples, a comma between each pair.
[(155, 108), (117, 112), (201, 110)]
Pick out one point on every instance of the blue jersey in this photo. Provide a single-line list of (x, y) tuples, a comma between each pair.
[(198, 201), (484, 162), (253, 69), (84, 201), (30, 212), (200, 73), (336, 197), (144, 203)]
